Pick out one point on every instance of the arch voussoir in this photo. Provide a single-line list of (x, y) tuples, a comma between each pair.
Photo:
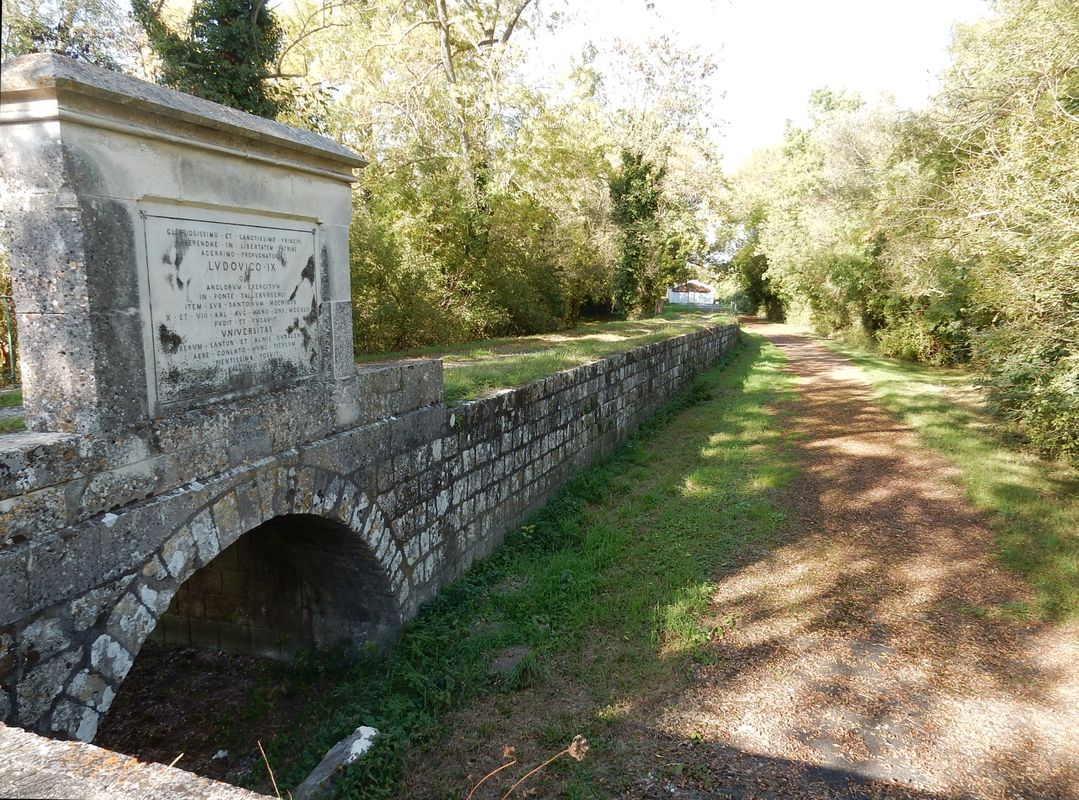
[(88, 675)]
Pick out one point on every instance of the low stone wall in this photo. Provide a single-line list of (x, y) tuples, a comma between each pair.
[(375, 514), (504, 456), (490, 463)]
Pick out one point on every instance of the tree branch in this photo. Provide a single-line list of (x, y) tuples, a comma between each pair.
[(513, 22)]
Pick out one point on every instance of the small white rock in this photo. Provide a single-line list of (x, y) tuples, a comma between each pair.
[(323, 777)]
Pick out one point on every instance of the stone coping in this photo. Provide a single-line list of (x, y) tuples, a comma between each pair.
[(34, 460), (45, 71), (33, 766)]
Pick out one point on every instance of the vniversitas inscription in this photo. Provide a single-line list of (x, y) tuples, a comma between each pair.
[(233, 301)]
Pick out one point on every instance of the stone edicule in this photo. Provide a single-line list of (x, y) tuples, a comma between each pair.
[(167, 252)]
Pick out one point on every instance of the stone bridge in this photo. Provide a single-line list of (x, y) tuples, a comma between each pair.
[(205, 464)]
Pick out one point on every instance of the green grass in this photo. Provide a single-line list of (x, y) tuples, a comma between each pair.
[(12, 425), (9, 398), (622, 561), (1034, 504), (475, 369)]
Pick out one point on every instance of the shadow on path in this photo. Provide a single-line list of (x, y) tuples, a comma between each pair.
[(858, 648)]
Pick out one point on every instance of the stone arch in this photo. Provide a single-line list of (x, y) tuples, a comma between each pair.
[(297, 504), (296, 581)]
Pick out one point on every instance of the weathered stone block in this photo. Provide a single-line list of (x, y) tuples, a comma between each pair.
[(130, 622), (42, 684), (109, 658), (43, 638), (62, 565), (323, 778)]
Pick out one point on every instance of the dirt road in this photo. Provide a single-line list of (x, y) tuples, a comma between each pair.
[(862, 664)]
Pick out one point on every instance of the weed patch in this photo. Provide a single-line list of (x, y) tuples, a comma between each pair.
[(12, 424), (10, 399)]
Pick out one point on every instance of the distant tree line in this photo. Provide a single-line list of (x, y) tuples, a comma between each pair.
[(950, 235)]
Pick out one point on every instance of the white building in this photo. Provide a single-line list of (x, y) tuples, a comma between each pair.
[(692, 293)]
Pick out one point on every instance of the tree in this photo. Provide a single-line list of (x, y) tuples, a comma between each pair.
[(635, 195), (1009, 115), (228, 54), (95, 31), (750, 268), (949, 235), (485, 207), (665, 190)]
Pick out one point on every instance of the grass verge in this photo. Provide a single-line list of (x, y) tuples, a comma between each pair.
[(1034, 504), (8, 399), (475, 369), (605, 587), (12, 424)]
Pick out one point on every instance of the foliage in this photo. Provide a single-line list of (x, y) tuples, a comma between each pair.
[(96, 31), (1015, 204), (479, 214), (7, 317), (486, 209), (946, 236), (666, 189), (635, 193), (226, 54), (750, 267)]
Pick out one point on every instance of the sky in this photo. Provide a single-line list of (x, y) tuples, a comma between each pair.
[(773, 53)]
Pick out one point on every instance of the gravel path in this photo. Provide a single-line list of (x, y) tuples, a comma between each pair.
[(859, 664)]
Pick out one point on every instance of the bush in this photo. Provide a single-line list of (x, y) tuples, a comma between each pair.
[(1036, 386)]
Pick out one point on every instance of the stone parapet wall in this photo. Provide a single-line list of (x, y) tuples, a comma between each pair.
[(400, 506), (503, 457), (54, 480)]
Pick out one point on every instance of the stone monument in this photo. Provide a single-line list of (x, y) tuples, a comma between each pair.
[(167, 252)]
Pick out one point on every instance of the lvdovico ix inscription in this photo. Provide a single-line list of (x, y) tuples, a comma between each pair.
[(233, 300)]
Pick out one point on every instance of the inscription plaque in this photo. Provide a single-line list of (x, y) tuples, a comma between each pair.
[(233, 301)]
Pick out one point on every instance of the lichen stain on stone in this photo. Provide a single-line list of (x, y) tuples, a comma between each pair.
[(174, 257), (170, 339), (277, 371), (308, 274), (309, 319)]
